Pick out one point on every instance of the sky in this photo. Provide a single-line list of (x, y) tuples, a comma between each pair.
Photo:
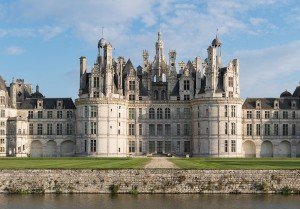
[(41, 41)]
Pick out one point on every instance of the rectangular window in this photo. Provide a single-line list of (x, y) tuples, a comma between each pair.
[(285, 129), (69, 114), (293, 114), (131, 129), (40, 129), (167, 147), (86, 111), (267, 129), (186, 129), (49, 129), (249, 129), (267, 114), (186, 113), (151, 146), (140, 129), (152, 129), (293, 129), (96, 94), (2, 113), (178, 113), (232, 128), (30, 129), (230, 94), (69, 129), (159, 129), (226, 146), (93, 145), (140, 113), (85, 127), (59, 114), (131, 146), (186, 97), (131, 97), (249, 114), (226, 128), (30, 114), (285, 115), (49, 114), (257, 114), (59, 129), (257, 129), (226, 111), (178, 130), (187, 146), (230, 81), (94, 111), (131, 113), (232, 111), (140, 146), (168, 129), (93, 128), (275, 114), (40, 114), (96, 82), (186, 85), (233, 146), (131, 85), (276, 132)]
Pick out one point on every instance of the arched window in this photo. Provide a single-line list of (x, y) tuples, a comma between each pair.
[(155, 95), (151, 113), (163, 95), (159, 113), (167, 113)]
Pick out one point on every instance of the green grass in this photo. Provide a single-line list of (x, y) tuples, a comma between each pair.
[(237, 163), (73, 163)]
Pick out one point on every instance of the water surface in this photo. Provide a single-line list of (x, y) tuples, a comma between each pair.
[(176, 201)]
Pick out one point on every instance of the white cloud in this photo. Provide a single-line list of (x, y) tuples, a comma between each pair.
[(257, 21), (13, 50), (264, 69)]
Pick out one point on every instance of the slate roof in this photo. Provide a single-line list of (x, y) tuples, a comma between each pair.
[(268, 103), (48, 103), (297, 92), (175, 91)]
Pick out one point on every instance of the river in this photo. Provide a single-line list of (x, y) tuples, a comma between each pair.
[(157, 201)]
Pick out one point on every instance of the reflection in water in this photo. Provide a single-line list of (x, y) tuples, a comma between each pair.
[(175, 201)]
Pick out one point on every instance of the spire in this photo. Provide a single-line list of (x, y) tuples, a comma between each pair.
[(37, 88)]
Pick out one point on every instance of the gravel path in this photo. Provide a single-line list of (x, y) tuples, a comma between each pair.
[(160, 162)]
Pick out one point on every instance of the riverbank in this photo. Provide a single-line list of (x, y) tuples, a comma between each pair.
[(136, 181)]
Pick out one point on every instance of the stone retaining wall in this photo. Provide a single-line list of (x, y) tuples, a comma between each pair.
[(150, 181)]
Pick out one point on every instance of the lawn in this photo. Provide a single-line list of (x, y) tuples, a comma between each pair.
[(237, 163), (72, 163)]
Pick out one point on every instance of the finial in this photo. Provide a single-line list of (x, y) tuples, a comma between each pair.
[(37, 88), (13, 79), (217, 32), (102, 31)]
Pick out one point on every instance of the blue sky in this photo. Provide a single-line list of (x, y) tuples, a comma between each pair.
[(41, 41)]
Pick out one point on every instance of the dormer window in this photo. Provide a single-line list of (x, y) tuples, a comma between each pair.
[(40, 104), (59, 104), (294, 104), (276, 104), (258, 104)]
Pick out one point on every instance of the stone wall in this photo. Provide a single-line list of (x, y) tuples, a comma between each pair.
[(150, 181)]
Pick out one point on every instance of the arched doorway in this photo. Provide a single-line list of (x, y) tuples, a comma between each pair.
[(51, 148), (67, 148), (249, 149), (284, 149), (298, 150), (36, 149), (266, 149)]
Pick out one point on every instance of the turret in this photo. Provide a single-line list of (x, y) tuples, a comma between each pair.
[(172, 58), (83, 68), (145, 58)]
